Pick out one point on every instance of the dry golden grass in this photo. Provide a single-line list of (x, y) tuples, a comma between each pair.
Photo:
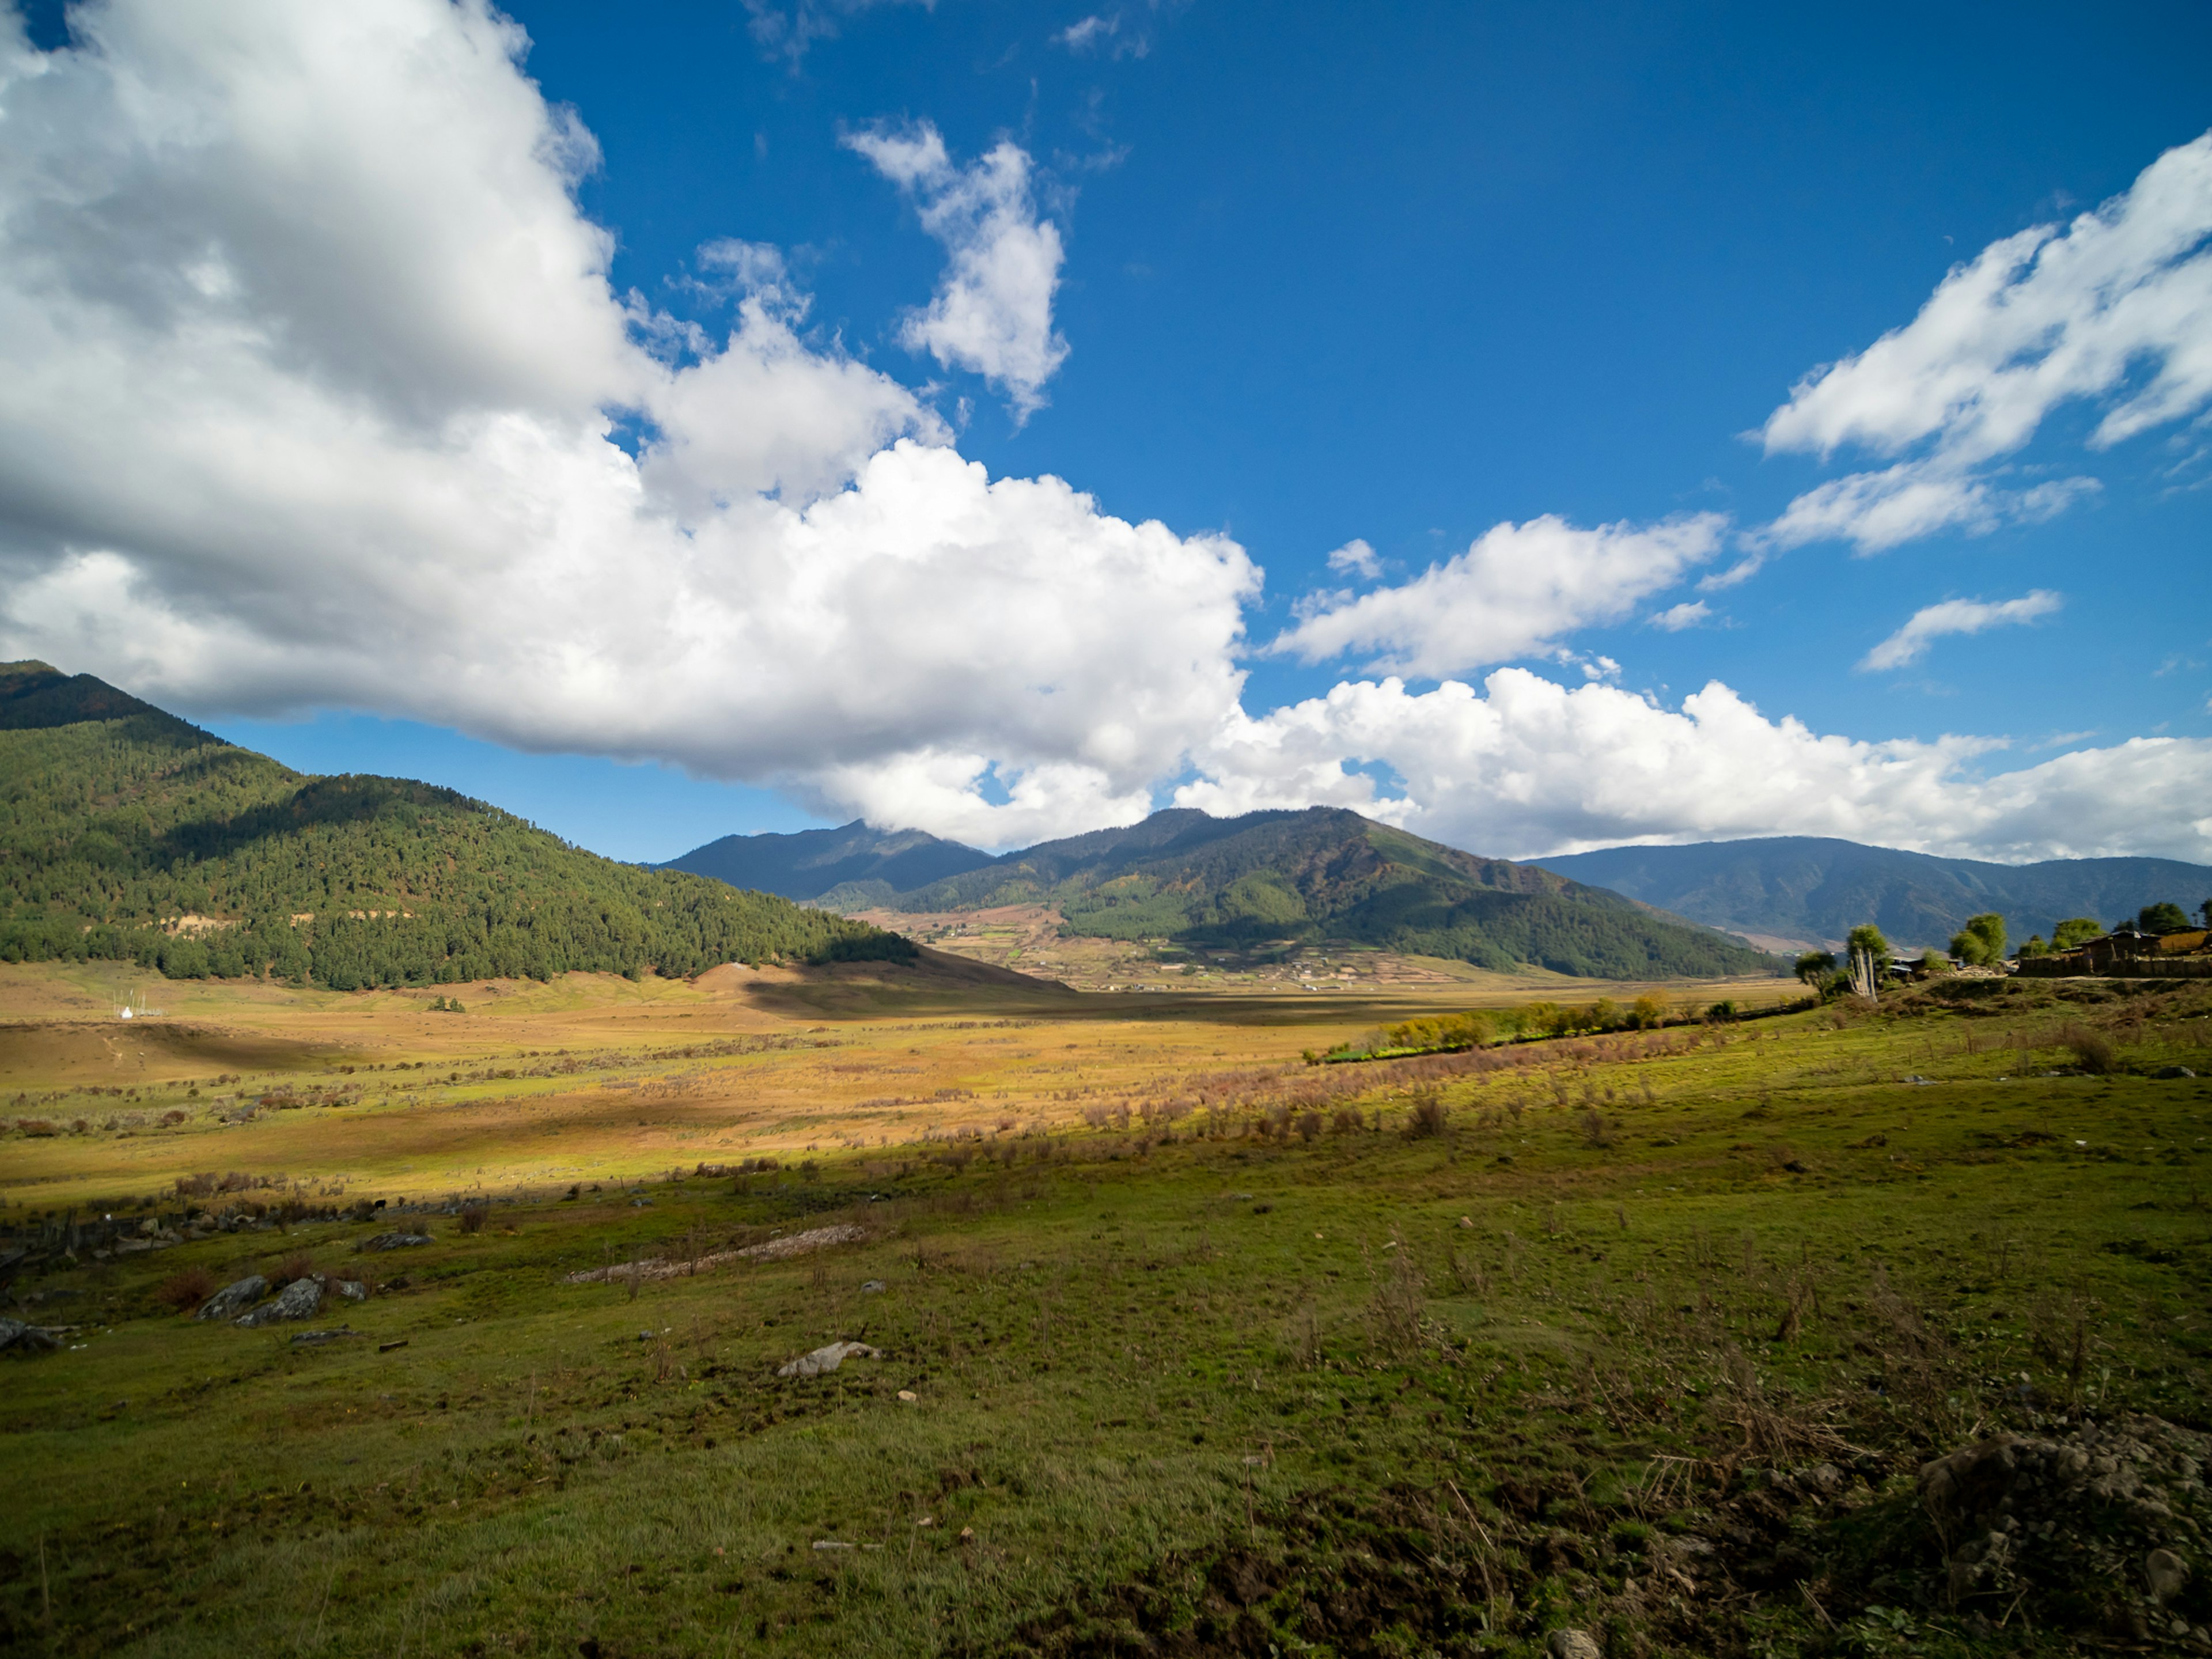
[(592, 1078)]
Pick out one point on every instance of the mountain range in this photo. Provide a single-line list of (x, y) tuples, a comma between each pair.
[(1800, 891), (129, 835), (812, 862), (1265, 878)]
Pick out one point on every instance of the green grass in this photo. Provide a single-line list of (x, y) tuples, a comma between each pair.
[(1187, 1388)]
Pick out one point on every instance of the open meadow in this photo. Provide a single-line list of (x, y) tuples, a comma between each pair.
[(1173, 1342)]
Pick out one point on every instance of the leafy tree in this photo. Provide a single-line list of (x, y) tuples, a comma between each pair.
[(1867, 938), (2034, 947), (1815, 968), (2075, 930), (1981, 944), (2164, 917)]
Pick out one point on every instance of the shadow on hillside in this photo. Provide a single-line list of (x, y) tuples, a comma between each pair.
[(320, 803)]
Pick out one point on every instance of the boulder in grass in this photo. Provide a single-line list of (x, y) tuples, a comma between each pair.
[(234, 1299), (824, 1360), (393, 1241), (297, 1300), (20, 1338), (351, 1289)]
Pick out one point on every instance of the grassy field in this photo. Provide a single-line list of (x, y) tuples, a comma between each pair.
[(1185, 1346), (593, 1077)]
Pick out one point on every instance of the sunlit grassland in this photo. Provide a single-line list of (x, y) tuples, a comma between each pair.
[(593, 1077), (1181, 1381)]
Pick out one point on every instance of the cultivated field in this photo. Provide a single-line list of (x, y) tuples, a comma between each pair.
[(1183, 1345)]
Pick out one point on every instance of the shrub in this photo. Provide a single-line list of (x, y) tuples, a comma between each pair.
[(473, 1217), (186, 1289), (1426, 1119), (2093, 1050), (294, 1265)]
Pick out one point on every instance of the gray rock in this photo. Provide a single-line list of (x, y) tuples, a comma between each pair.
[(2166, 1573), (234, 1299), (827, 1358), (1573, 1644), (2173, 1071), (351, 1289), (872, 1285), (297, 1300), (394, 1240), (31, 1339)]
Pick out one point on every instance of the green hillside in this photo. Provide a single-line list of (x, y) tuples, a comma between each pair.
[(128, 835), (1326, 873)]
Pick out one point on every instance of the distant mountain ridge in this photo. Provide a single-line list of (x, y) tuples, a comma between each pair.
[(809, 863), (1321, 874), (1806, 890)]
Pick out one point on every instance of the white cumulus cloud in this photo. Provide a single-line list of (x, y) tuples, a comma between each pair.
[(992, 312), (1523, 767), (1515, 592), (2114, 309), (1356, 558), (310, 380), (1691, 613), (1931, 622)]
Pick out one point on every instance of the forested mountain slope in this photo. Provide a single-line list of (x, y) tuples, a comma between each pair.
[(1811, 890), (1326, 873), (808, 864), (126, 834)]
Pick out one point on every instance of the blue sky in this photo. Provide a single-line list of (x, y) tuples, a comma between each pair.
[(1398, 274)]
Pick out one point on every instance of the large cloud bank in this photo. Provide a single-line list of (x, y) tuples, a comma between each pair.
[(312, 392), (1524, 767), (308, 370)]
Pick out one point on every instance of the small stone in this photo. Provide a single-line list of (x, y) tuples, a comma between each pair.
[(2173, 1071), (873, 1286), (353, 1289), (1573, 1644), (394, 1241), (2166, 1573), (827, 1358), (908, 1395), (830, 1544), (1466, 1221)]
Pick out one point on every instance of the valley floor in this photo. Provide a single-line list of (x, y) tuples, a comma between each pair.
[(1182, 1346)]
